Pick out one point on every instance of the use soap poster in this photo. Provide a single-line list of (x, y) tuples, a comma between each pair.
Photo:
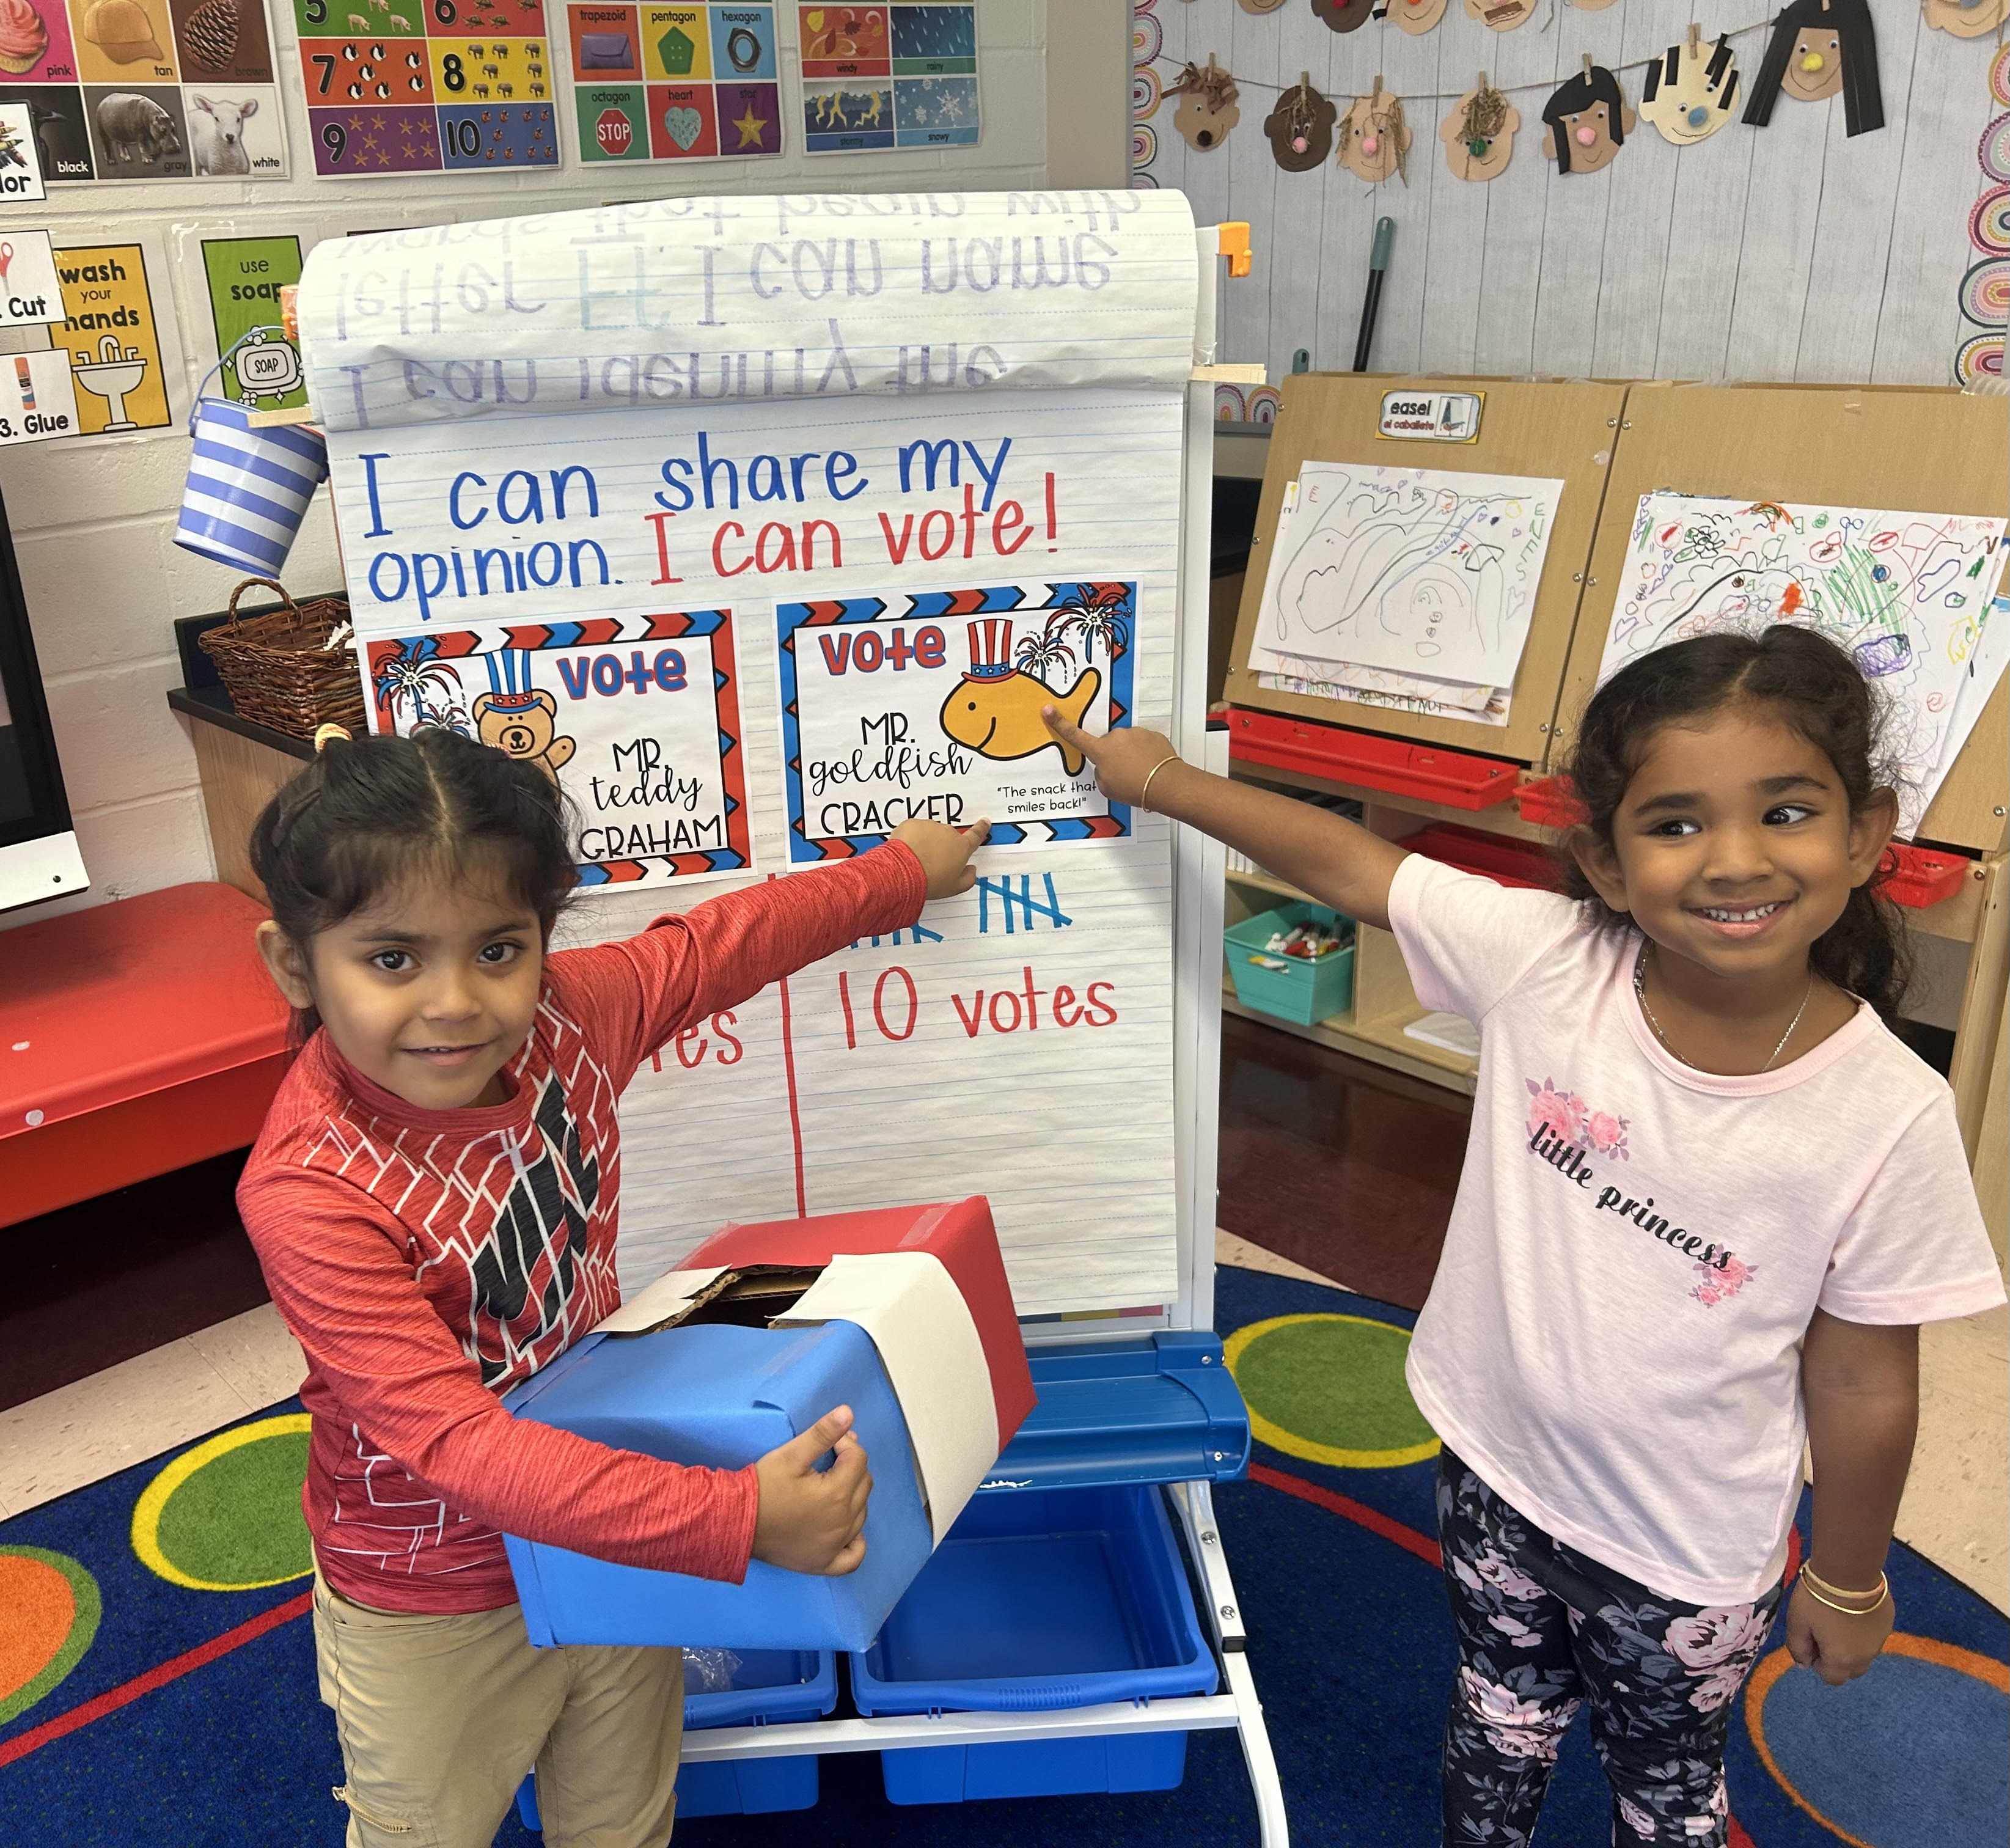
[(674, 83)]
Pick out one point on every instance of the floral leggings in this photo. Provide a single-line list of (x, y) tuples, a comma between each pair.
[(1542, 1631)]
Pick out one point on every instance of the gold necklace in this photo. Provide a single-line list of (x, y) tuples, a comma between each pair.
[(1640, 995)]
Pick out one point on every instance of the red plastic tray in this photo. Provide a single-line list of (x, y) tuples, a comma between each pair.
[(1549, 802), (1918, 876), (1521, 863), (1454, 778)]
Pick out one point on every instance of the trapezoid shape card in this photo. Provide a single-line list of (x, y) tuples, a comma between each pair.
[(636, 717), (926, 704)]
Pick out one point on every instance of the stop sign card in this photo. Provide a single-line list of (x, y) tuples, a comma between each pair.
[(674, 83)]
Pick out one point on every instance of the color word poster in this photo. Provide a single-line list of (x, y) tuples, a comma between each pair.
[(674, 83), (244, 276), (897, 75), (636, 717), (113, 334), (926, 704), (144, 89), (426, 86)]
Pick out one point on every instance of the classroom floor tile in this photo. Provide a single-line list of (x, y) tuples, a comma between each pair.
[(1955, 1509), (1229, 1249)]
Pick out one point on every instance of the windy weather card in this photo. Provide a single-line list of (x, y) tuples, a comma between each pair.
[(1905, 595), (1417, 571), (636, 717), (927, 704)]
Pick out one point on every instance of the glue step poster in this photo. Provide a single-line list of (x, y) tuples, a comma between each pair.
[(674, 83), (144, 89), (898, 75), (767, 489), (427, 86)]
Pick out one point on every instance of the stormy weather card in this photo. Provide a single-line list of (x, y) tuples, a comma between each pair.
[(927, 704), (898, 75), (636, 717)]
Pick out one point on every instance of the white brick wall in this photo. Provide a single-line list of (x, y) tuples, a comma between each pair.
[(93, 521)]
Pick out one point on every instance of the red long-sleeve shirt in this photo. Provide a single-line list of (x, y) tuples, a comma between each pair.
[(428, 1260)]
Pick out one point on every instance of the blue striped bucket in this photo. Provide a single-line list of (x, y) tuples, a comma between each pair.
[(248, 488)]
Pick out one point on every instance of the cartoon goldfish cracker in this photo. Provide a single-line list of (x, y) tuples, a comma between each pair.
[(995, 709)]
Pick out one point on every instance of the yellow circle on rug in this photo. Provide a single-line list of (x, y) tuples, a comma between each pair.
[(49, 1609), (1330, 1388), (225, 1516)]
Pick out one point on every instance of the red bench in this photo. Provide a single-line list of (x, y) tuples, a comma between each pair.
[(135, 1038)]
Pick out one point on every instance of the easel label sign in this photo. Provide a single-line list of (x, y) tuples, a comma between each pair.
[(636, 717), (1431, 417), (927, 705)]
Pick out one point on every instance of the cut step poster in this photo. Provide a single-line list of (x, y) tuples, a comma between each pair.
[(772, 408), (897, 75), (169, 89), (1907, 595), (1409, 587), (674, 83)]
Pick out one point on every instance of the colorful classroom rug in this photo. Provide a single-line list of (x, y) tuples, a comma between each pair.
[(157, 1674)]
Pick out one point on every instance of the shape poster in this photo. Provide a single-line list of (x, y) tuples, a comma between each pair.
[(427, 86), (921, 704), (894, 76), (676, 82), (144, 89), (637, 717), (243, 276)]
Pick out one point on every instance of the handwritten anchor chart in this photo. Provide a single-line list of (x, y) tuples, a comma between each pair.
[(917, 506), (427, 86), (674, 83), (892, 76)]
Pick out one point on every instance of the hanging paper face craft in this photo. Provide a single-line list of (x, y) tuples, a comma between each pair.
[(1261, 6), (1417, 16), (1589, 121), (1499, 15), (1688, 94), (1374, 138), (1966, 19), (1479, 132), (1343, 15), (1207, 109), (1300, 129), (1818, 49)]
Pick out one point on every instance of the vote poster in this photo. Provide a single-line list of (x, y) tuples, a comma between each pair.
[(674, 83), (144, 89), (927, 705), (243, 276), (893, 76), (427, 86), (637, 717)]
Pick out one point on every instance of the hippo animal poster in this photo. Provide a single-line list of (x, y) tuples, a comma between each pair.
[(927, 704)]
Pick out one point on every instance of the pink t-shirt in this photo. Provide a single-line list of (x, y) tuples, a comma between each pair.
[(1613, 1341)]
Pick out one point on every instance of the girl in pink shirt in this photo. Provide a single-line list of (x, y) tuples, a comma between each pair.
[(1708, 1198)]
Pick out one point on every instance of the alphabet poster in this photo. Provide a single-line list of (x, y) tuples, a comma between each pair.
[(921, 703), (637, 717), (674, 83), (913, 454), (144, 89)]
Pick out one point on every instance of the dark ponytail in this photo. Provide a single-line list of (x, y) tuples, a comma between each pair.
[(1816, 688), (369, 812)]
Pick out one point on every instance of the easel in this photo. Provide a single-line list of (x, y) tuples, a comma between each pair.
[(1932, 449)]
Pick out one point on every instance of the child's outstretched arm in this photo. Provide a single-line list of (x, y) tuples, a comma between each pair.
[(1861, 1384), (1321, 853)]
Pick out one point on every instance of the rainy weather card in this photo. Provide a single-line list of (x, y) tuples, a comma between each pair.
[(897, 75), (926, 704), (636, 717)]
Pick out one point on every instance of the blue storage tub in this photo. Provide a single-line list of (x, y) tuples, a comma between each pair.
[(1301, 991), (1039, 1600), (771, 1686)]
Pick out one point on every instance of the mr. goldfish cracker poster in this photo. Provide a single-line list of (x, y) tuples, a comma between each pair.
[(927, 705)]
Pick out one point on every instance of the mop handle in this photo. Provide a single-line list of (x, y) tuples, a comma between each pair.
[(1378, 264)]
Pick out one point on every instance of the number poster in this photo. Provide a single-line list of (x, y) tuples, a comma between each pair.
[(427, 86), (674, 83)]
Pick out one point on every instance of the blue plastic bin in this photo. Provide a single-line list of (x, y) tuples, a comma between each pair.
[(1039, 1599), (770, 1686), (1302, 990)]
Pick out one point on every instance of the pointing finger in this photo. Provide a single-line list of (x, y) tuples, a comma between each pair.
[(1070, 733)]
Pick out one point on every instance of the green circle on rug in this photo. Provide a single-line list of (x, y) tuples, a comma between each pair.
[(1330, 1388), (225, 1516)]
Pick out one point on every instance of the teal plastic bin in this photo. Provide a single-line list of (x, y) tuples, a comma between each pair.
[(1302, 991)]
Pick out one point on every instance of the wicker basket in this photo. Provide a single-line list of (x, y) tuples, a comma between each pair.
[(278, 669)]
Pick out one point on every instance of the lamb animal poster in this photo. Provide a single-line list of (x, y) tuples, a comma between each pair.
[(1420, 571)]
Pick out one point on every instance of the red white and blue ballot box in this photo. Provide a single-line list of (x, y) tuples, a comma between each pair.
[(1019, 1556)]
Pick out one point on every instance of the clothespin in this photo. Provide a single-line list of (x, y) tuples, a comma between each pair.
[(1587, 56), (1376, 95), (1695, 40), (1483, 83)]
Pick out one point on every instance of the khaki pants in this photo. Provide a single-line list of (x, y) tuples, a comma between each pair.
[(440, 1718)]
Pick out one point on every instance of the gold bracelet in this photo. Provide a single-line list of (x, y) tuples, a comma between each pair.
[(1174, 758), (1884, 1585), (1849, 1610)]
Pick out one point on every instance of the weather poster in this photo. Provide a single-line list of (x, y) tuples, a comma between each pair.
[(927, 706), (895, 76), (674, 83)]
